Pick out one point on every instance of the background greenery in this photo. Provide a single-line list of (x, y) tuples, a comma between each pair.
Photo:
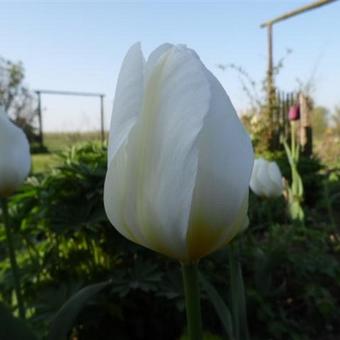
[(64, 242)]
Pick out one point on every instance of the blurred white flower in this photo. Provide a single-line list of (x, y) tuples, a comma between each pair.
[(15, 159), (266, 179), (179, 159)]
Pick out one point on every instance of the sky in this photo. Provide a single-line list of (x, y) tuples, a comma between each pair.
[(79, 46)]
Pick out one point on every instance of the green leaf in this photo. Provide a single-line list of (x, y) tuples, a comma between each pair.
[(221, 308), (288, 151), (13, 328), (68, 313), (238, 298)]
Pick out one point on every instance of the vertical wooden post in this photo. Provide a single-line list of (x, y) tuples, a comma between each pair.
[(102, 131), (306, 137), (287, 107), (270, 71), (271, 109), (279, 109), (41, 134), (277, 125), (282, 119), (270, 53)]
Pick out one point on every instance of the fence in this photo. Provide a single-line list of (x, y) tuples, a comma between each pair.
[(39, 93), (281, 122)]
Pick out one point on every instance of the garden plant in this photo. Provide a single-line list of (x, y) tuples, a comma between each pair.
[(174, 178)]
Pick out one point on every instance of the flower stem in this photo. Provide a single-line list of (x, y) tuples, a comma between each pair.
[(192, 300), (12, 257)]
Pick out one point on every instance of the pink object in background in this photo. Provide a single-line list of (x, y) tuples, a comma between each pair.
[(294, 112)]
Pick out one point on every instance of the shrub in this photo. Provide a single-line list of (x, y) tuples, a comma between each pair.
[(64, 242)]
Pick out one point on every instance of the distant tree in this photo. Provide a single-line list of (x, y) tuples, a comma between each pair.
[(320, 116), (335, 122), (328, 147), (15, 97)]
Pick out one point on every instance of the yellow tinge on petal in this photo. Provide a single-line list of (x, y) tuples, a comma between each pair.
[(204, 238)]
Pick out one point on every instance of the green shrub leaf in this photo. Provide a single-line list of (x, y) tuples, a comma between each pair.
[(221, 308), (13, 328), (64, 319)]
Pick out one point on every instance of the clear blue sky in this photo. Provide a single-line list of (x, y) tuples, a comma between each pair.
[(79, 45)]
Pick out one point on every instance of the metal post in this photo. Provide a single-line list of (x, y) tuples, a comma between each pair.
[(102, 131), (41, 135), (40, 92)]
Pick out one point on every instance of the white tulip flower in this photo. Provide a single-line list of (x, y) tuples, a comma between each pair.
[(15, 159), (179, 159), (266, 179)]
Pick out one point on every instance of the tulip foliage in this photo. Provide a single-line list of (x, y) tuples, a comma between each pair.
[(64, 242), (295, 191)]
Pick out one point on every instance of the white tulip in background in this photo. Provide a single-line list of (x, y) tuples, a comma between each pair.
[(179, 159), (266, 179), (15, 159)]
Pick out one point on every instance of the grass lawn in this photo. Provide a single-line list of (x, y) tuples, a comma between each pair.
[(44, 162), (56, 142)]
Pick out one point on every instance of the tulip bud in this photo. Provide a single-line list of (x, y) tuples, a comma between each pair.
[(266, 179), (15, 160), (294, 112), (179, 159)]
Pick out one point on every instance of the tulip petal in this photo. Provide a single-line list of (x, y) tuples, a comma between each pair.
[(253, 180), (118, 202), (258, 178), (15, 159), (224, 169), (128, 98), (161, 154), (154, 59), (241, 222), (276, 179), (266, 179)]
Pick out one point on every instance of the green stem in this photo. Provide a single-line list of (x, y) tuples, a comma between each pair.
[(192, 300), (292, 139), (12, 257)]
